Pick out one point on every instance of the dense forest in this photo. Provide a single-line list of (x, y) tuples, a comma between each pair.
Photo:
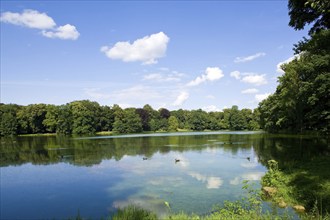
[(87, 117), (302, 98)]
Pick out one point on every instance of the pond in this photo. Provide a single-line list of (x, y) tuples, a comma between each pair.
[(59, 177)]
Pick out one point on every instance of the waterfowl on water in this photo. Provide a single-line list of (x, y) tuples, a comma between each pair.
[(145, 158), (248, 158), (177, 160)]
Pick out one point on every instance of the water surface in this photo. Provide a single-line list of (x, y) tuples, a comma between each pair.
[(59, 177)]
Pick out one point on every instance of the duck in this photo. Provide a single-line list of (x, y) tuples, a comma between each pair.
[(145, 158), (177, 160)]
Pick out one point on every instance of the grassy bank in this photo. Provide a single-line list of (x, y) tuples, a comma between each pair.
[(36, 135), (304, 187)]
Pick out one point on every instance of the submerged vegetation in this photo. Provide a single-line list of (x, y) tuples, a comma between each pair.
[(278, 188), (248, 207)]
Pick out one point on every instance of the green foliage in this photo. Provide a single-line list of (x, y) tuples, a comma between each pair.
[(237, 121), (272, 177), (276, 179), (164, 113), (305, 184), (181, 116), (8, 119), (302, 99), (51, 117), (304, 12), (173, 123), (107, 118), (145, 117), (64, 120), (133, 212), (86, 117), (197, 120), (127, 121), (31, 117)]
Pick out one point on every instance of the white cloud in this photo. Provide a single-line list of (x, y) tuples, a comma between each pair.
[(165, 69), (147, 49), (138, 92), (153, 76), (124, 96), (279, 65), (158, 77), (211, 74), (255, 79), (34, 19), (260, 97), (29, 18), (211, 108), (96, 94), (66, 32), (236, 74), (250, 91), (183, 96), (249, 58), (252, 78), (210, 97), (225, 107)]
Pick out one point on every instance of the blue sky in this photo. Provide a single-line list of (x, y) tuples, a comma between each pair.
[(175, 54)]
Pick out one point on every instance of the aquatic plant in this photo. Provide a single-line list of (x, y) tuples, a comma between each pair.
[(134, 212)]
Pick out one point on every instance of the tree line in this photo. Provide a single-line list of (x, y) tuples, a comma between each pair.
[(301, 101), (88, 117)]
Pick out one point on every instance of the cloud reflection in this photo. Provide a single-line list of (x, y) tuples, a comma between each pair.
[(212, 182), (167, 180), (249, 165), (254, 176), (251, 176), (235, 181)]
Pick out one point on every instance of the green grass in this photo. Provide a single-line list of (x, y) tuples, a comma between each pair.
[(36, 135), (134, 213), (104, 133), (306, 184)]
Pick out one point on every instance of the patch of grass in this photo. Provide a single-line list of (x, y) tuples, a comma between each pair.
[(280, 183), (104, 133), (133, 212), (36, 135), (310, 183), (306, 184)]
